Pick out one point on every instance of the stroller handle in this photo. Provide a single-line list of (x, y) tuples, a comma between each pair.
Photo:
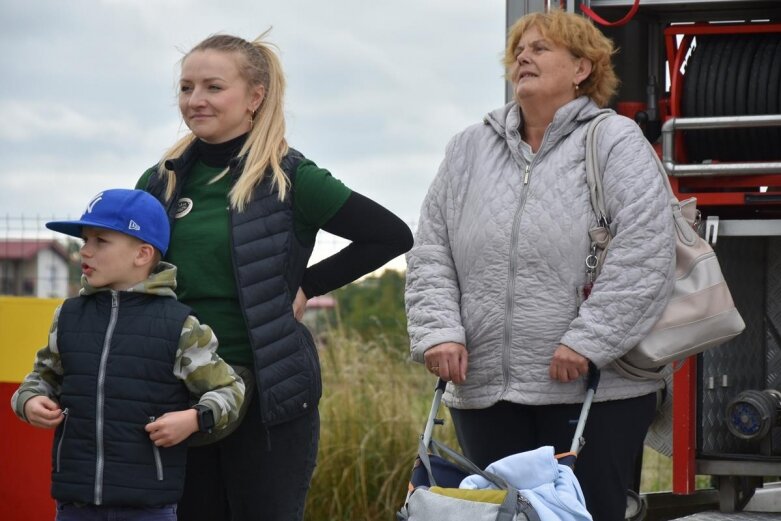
[(432, 415), (592, 382)]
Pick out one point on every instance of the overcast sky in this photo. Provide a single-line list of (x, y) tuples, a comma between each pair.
[(375, 89)]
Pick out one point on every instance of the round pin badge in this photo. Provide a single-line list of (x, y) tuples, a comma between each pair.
[(183, 207)]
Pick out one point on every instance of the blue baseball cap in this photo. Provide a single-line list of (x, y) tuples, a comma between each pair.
[(132, 212)]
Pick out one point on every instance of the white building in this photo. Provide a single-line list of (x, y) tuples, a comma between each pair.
[(34, 268)]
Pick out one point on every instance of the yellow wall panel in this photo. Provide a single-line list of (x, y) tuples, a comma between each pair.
[(24, 329)]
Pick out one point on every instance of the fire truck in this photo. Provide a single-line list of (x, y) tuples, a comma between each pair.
[(702, 78)]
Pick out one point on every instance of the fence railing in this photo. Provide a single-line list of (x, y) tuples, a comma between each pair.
[(35, 261)]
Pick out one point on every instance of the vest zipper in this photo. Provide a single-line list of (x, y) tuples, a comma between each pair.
[(156, 454), (62, 437), (101, 398)]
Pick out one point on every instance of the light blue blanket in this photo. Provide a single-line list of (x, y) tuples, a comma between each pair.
[(552, 489)]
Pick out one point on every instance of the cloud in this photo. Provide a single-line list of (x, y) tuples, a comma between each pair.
[(375, 90), (34, 120), (53, 186)]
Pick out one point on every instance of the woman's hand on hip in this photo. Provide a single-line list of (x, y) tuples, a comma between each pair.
[(299, 304), (447, 361), (567, 365)]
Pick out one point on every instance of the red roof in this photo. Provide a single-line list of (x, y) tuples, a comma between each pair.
[(27, 249)]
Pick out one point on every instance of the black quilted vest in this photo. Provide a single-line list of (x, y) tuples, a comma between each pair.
[(118, 351), (268, 266)]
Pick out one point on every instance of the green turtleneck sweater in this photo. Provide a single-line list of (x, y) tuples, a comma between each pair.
[(200, 245)]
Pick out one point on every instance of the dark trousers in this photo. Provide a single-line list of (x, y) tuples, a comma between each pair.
[(71, 512), (254, 474), (605, 468)]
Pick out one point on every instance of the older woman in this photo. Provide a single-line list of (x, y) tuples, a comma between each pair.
[(495, 280)]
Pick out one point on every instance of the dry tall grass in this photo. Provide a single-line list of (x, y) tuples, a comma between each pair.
[(374, 406), (373, 410)]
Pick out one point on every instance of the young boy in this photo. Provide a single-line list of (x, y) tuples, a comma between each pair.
[(122, 362)]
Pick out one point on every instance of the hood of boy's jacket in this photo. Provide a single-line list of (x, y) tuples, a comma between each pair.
[(161, 282)]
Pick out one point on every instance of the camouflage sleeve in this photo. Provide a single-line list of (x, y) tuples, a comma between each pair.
[(46, 377), (206, 374)]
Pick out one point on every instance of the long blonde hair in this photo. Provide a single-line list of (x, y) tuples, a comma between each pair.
[(266, 145)]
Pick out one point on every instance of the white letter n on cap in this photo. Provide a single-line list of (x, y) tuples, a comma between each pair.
[(133, 225)]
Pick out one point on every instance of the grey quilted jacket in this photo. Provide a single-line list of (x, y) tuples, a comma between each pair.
[(500, 250)]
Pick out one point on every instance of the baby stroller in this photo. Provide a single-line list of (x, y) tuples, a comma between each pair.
[(542, 487)]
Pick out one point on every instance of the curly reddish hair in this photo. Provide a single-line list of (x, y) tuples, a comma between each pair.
[(577, 34)]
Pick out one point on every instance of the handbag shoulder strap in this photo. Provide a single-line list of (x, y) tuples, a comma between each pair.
[(685, 232), (593, 172)]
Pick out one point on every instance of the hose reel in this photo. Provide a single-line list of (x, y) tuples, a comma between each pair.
[(733, 75)]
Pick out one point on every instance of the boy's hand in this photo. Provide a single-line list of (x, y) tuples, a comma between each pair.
[(43, 412), (172, 427)]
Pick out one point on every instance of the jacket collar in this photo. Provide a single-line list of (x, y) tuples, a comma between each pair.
[(507, 120), (161, 282)]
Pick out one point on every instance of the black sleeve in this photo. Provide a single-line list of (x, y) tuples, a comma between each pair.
[(377, 236)]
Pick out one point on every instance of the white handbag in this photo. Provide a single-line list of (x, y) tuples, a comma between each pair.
[(700, 313)]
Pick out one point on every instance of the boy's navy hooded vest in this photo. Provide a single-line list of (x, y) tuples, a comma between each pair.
[(268, 266), (118, 351)]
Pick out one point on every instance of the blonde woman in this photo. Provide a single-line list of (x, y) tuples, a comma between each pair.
[(497, 277), (244, 210)]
